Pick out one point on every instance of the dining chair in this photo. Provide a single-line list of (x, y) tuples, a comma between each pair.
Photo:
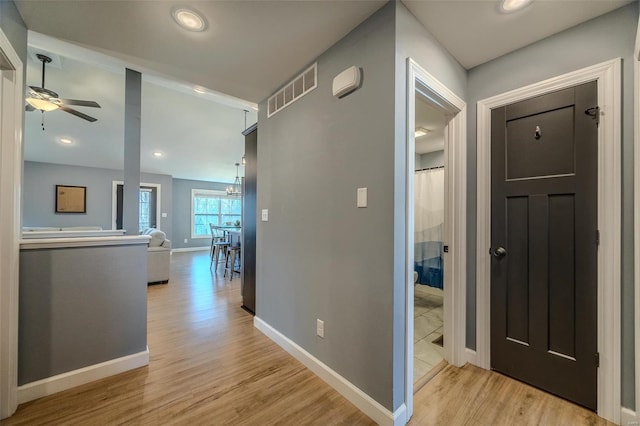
[(219, 245)]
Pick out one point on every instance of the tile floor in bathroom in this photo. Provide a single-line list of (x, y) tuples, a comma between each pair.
[(427, 327)]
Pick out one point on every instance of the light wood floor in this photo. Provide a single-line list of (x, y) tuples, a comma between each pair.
[(473, 396), (209, 365)]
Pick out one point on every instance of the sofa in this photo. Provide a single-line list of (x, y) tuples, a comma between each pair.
[(159, 256)]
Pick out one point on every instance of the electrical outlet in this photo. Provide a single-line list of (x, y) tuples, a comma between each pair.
[(186, 241), (320, 328)]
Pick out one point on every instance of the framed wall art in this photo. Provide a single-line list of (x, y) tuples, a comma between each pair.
[(71, 199)]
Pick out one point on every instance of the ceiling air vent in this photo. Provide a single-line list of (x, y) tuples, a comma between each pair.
[(294, 90)]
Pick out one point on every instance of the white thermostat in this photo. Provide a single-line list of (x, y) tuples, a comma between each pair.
[(346, 82)]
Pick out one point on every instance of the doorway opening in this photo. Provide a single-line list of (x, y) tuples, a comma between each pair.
[(149, 205), (11, 107), (441, 259), (429, 226)]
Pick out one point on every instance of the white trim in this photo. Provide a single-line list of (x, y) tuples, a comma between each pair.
[(608, 76), (636, 210), (11, 148), (81, 376), (49, 243), (357, 397), (629, 417), (455, 219), (114, 202), (472, 356), (186, 249)]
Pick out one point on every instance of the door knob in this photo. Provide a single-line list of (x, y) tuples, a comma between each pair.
[(500, 252)]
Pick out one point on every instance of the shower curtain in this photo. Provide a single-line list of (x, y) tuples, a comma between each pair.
[(429, 226)]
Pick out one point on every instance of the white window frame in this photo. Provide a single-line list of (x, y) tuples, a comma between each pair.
[(209, 192)]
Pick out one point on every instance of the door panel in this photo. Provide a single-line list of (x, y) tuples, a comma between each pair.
[(548, 156), (518, 273), (544, 214)]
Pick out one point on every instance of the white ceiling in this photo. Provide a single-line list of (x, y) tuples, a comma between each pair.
[(474, 31), (200, 137), (249, 50)]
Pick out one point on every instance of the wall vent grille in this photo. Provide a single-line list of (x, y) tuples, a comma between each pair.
[(294, 90)]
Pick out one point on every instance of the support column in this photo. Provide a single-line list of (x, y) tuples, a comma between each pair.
[(132, 112)]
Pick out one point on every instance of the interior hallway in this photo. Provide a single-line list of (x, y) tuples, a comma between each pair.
[(209, 365)]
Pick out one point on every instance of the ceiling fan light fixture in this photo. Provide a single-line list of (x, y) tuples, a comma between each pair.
[(510, 6), (42, 104), (189, 19)]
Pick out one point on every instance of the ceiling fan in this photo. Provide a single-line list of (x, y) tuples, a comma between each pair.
[(43, 99)]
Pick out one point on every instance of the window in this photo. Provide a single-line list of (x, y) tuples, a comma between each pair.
[(212, 207), (145, 208)]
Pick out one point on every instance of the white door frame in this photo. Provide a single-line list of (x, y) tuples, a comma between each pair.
[(608, 76), (455, 218), (11, 113), (636, 225), (114, 202)]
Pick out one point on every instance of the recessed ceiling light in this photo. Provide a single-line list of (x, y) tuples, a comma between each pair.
[(509, 6), (421, 131), (199, 89), (65, 141), (158, 154), (189, 19)]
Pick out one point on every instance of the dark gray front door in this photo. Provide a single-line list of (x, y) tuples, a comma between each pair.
[(544, 242)]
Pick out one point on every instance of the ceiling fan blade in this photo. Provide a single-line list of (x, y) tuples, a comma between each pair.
[(77, 102), (78, 113), (45, 93)]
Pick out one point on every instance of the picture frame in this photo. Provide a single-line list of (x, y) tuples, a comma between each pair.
[(71, 199)]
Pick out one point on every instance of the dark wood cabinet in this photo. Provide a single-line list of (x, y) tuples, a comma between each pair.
[(249, 219)]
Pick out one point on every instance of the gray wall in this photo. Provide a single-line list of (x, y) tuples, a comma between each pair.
[(79, 307), (15, 30), (432, 159), (412, 41), (319, 256), (599, 40), (182, 211), (40, 180)]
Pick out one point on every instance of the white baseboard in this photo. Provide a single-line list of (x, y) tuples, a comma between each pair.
[(472, 357), (629, 417), (357, 397), (64, 381), (184, 249)]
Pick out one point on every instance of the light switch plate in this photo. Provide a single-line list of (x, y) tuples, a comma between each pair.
[(320, 328), (265, 215), (362, 197)]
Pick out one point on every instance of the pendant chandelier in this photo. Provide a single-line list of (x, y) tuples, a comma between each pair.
[(234, 189)]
